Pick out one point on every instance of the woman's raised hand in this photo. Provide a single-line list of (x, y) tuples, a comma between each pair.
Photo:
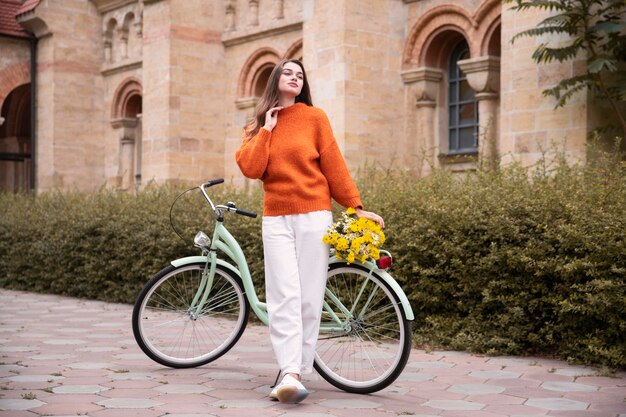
[(271, 118), (370, 215)]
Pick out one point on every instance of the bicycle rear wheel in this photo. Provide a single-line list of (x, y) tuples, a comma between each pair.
[(168, 331), (365, 339)]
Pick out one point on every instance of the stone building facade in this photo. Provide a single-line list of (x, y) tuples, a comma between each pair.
[(123, 92)]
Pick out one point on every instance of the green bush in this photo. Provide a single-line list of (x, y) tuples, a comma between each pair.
[(500, 262), (511, 261), (106, 245)]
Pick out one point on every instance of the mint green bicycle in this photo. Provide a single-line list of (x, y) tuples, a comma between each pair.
[(196, 309)]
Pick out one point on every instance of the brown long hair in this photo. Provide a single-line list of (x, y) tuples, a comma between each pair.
[(270, 97)]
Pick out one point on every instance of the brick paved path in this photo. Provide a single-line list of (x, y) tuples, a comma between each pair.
[(67, 357)]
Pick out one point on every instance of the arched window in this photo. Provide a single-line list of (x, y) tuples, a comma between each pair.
[(462, 106), (16, 169)]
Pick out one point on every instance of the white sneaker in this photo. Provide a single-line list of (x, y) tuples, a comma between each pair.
[(289, 391), (274, 393)]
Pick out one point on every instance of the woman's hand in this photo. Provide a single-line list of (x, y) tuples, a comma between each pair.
[(370, 215), (271, 118)]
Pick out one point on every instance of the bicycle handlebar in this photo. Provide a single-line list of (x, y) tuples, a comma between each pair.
[(212, 182), (228, 207), (246, 213)]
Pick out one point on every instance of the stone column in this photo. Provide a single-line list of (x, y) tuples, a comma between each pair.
[(427, 84), (139, 19), (108, 47), (279, 9), (230, 10), (126, 172), (483, 75), (123, 36), (254, 13)]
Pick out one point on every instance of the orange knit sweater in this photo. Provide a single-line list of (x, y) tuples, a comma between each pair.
[(299, 163)]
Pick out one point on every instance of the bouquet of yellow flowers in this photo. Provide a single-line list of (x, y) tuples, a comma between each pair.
[(355, 238)]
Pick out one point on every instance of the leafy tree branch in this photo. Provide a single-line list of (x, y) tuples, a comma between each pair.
[(596, 31)]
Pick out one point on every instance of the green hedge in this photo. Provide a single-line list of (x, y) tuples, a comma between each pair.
[(502, 262), (106, 245)]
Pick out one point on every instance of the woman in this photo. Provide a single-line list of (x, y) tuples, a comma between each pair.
[(290, 146)]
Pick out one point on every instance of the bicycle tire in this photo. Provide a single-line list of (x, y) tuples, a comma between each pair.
[(163, 325), (370, 347)]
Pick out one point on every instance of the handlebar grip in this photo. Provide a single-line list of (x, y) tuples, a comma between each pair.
[(211, 183), (246, 213)]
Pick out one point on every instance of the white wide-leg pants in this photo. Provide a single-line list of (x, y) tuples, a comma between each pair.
[(296, 267)]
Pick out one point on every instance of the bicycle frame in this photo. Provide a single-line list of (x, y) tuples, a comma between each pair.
[(224, 241)]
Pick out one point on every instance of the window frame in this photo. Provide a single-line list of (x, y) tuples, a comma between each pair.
[(455, 79)]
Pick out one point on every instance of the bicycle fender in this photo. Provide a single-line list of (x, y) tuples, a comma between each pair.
[(393, 284), (203, 259)]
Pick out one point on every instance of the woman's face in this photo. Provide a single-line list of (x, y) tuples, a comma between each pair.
[(291, 80)]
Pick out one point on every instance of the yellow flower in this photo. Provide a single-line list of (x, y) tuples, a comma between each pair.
[(355, 239), (350, 258)]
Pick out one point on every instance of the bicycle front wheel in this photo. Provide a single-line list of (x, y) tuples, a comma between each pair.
[(365, 339), (171, 332)]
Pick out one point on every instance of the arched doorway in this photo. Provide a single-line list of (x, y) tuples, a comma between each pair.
[(126, 119), (16, 141)]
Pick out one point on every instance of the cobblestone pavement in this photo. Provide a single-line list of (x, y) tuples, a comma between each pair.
[(67, 357)]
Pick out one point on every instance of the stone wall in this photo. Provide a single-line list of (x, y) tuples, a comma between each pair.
[(530, 124), (69, 152), (131, 91)]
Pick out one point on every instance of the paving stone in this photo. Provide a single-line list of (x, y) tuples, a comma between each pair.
[(9, 349), (79, 389), (451, 353), (135, 376), (575, 372), (7, 329), (474, 389), (556, 404), (508, 361), (568, 387), (454, 405), (495, 374), (52, 357), (252, 349), (413, 376), (350, 404), (35, 378), (15, 404), (90, 365), (236, 376), (182, 389), (61, 342), (195, 415), (242, 404), (99, 349), (129, 403), (303, 414), (12, 367), (426, 365)]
